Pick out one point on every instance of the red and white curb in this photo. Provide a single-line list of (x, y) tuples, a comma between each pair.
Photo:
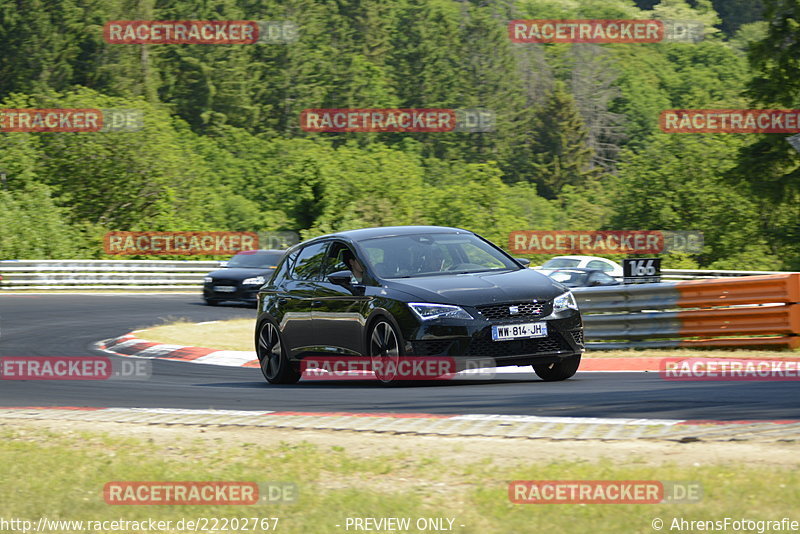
[(478, 425), (130, 345)]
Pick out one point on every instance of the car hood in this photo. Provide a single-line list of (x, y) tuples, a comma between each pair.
[(235, 273), (479, 288)]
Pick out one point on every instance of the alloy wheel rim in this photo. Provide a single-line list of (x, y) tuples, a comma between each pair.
[(385, 351), (269, 344)]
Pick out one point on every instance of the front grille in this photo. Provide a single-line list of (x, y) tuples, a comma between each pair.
[(526, 310), (222, 282), (497, 349), (433, 347)]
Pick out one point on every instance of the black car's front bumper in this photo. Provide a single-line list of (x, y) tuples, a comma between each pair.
[(472, 339), (239, 292)]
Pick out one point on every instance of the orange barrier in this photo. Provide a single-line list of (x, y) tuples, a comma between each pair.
[(774, 288), (757, 320), (723, 310), (782, 342)]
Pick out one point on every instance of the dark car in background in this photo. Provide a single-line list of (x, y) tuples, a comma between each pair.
[(582, 278), (413, 291), (241, 277)]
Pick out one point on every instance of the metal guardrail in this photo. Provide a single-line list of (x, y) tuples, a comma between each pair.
[(737, 308), (168, 274), (695, 274), (104, 274), (726, 312)]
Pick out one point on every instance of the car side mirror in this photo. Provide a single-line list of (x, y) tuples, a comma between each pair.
[(340, 278), (525, 262)]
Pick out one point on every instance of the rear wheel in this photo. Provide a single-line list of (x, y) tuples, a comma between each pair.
[(275, 365), (562, 370), (384, 349)]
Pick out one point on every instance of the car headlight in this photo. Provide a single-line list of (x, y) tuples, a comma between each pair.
[(565, 302), (427, 311), (257, 281), (208, 279)]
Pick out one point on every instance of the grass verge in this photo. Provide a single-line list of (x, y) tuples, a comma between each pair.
[(60, 474)]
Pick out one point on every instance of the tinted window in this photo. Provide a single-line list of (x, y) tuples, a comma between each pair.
[(335, 261), (285, 267), (432, 254), (560, 263), (309, 262), (602, 278), (255, 261), (597, 264), (569, 278)]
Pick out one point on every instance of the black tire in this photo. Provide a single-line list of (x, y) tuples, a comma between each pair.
[(554, 372), (212, 302), (272, 357), (385, 349)]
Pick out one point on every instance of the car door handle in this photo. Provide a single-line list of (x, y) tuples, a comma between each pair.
[(282, 300)]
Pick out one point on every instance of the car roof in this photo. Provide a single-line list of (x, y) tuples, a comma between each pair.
[(391, 231), (581, 258), (259, 252), (576, 270)]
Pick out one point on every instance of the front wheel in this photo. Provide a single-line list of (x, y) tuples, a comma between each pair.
[(275, 365), (553, 372), (385, 347)]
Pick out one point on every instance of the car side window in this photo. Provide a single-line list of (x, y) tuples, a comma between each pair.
[(603, 266), (334, 260), (309, 262), (601, 278), (284, 267)]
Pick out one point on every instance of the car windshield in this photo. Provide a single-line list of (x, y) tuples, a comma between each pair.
[(560, 263), (569, 278), (255, 261), (433, 254)]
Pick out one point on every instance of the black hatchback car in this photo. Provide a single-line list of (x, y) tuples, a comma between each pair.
[(241, 277), (413, 291)]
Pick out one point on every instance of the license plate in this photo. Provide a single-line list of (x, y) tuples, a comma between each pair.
[(519, 331), (224, 289)]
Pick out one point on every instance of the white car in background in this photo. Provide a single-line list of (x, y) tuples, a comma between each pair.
[(609, 267)]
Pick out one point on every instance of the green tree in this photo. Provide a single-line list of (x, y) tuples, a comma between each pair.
[(561, 156)]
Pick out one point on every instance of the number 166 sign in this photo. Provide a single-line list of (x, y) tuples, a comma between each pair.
[(641, 271)]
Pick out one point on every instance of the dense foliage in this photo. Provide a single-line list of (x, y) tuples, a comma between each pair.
[(576, 146)]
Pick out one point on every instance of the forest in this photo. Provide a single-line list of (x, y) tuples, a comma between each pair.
[(576, 143)]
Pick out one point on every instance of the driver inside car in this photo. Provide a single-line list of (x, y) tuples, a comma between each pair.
[(354, 265)]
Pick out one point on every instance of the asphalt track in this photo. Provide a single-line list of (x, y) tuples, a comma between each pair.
[(68, 325)]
